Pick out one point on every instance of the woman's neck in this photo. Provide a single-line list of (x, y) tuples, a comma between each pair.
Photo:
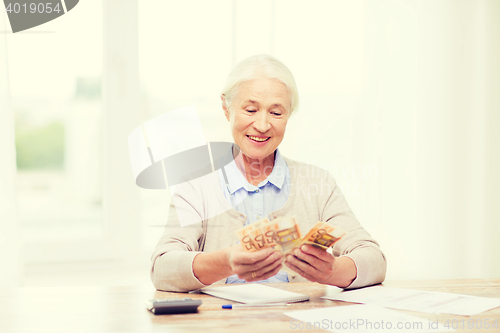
[(254, 170)]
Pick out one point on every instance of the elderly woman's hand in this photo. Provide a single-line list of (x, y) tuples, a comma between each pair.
[(318, 265), (254, 266)]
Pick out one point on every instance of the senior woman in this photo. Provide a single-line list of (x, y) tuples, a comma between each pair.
[(259, 97)]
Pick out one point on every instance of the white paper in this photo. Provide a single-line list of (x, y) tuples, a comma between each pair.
[(331, 291), (254, 293), (360, 319), (417, 300)]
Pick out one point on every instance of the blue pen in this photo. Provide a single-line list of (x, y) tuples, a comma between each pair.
[(237, 306)]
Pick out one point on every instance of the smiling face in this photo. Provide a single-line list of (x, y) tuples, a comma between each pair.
[(258, 115)]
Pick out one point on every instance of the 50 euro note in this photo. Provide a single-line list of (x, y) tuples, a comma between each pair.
[(245, 238), (323, 235), (282, 234), (256, 236), (287, 233)]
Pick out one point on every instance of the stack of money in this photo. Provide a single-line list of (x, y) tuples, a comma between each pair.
[(323, 235), (283, 234)]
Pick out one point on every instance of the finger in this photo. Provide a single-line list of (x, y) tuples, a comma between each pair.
[(301, 272), (276, 267), (317, 252), (308, 258), (245, 270), (318, 272), (250, 258), (264, 270), (274, 258)]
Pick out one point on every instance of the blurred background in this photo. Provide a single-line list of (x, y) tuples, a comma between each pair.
[(399, 100)]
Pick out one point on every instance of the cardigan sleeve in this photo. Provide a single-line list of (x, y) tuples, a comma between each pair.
[(357, 244), (172, 259)]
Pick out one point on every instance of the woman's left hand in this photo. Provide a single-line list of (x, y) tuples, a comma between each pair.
[(318, 265)]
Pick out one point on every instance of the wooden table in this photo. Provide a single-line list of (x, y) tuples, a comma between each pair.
[(122, 309)]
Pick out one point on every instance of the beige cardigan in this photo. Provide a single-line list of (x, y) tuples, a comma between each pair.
[(314, 196)]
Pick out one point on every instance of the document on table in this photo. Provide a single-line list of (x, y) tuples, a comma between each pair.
[(254, 293), (361, 318), (418, 300)]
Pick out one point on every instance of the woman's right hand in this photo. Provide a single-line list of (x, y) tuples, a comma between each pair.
[(254, 266)]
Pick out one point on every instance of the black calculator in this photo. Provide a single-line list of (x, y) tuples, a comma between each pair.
[(173, 305)]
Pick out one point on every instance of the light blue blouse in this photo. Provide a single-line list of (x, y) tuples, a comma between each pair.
[(256, 202)]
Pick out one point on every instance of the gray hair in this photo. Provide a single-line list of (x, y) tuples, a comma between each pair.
[(262, 64)]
